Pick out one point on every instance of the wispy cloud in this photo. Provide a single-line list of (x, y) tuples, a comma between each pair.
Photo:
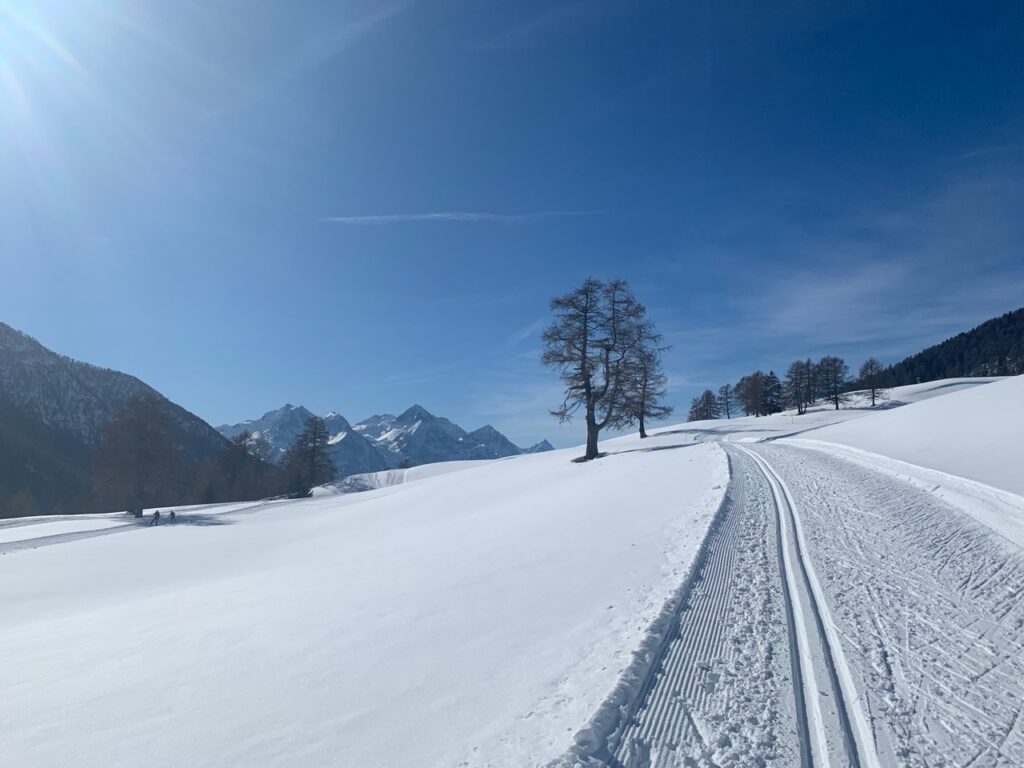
[(299, 53), (451, 216), (907, 275), (319, 49), (559, 15), (530, 331)]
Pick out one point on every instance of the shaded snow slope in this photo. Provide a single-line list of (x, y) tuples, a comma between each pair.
[(474, 618), (974, 433)]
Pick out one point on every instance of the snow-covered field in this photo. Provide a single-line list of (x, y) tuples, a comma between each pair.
[(471, 618), (858, 596), (973, 433)]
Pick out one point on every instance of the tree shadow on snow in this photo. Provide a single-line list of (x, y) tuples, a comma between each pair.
[(712, 431), (654, 448), (203, 520), (181, 519)]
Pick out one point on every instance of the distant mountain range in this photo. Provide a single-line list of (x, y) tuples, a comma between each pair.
[(384, 441), (55, 413)]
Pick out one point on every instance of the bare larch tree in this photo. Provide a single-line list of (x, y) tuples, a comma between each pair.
[(798, 386), (645, 381), (726, 400), (834, 378), (306, 462), (592, 342), (871, 379), (704, 407)]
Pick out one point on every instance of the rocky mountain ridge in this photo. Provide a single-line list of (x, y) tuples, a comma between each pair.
[(385, 441)]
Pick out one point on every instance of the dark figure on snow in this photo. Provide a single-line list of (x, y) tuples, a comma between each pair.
[(156, 518), (172, 516)]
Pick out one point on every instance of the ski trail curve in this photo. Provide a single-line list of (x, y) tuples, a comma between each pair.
[(825, 672), (188, 517)]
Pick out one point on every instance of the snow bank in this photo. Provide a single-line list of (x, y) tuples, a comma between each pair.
[(974, 433), (915, 393), (473, 618), (369, 481)]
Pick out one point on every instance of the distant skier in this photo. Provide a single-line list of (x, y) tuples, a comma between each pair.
[(172, 516), (156, 519)]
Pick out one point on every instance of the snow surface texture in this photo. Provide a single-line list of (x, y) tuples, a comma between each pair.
[(473, 618), (930, 606)]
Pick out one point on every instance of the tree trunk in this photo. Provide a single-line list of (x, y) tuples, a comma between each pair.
[(592, 431), (643, 432)]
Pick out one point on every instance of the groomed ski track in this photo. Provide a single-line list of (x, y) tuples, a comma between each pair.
[(831, 702), (825, 624), (666, 729)]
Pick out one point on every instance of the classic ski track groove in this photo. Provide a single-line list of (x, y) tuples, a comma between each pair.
[(670, 697), (725, 651), (820, 640)]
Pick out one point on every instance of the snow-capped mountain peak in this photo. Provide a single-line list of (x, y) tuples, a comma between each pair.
[(350, 451), (414, 437), (375, 426), (413, 414)]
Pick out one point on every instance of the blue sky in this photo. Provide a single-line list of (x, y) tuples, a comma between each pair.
[(358, 206)]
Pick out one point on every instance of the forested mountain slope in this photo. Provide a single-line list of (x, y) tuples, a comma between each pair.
[(994, 348), (57, 417)]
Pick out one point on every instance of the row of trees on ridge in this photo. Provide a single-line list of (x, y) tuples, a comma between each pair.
[(806, 382)]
